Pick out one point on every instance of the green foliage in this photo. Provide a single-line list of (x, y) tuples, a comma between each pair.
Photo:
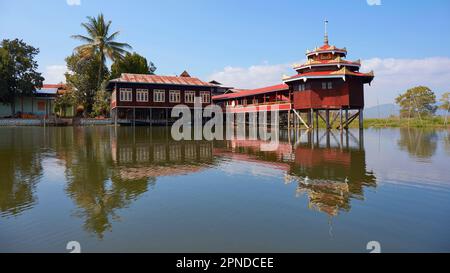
[(417, 102), (101, 105), (18, 71), (99, 43), (132, 63), (64, 101), (445, 102), (82, 79)]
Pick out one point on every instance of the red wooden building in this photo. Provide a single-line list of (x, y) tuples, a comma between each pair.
[(326, 82), (148, 99)]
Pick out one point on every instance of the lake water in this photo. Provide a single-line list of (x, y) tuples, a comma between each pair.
[(136, 190)]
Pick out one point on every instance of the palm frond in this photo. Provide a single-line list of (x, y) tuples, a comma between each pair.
[(112, 36), (83, 38), (120, 45)]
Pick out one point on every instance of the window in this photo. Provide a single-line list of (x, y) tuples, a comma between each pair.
[(159, 95), (174, 96), (142, 95), (324, 85), (126, 94), (304, 86), (189, 96), (330, 85), (244, 102), (205, 96)]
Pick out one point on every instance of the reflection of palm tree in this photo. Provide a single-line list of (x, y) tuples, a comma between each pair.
[(90, 185), (418, 142)]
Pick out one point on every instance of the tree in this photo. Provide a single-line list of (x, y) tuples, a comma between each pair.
[(445, 105), (82, 79), (102, 102), (18, 75), (132, 63), (418, 101), (63, 102), (99, 43)]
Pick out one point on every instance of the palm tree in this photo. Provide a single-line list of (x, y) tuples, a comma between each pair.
[(98, 42)]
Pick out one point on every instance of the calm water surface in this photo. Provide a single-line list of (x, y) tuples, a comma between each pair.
[(119, 190)]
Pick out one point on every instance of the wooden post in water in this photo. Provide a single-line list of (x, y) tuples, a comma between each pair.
[(317, 119), (340, 120), (327, 119), (361, 119), (346, 119), (289, 120), (167, 116), (116, 113), (311, 120), (134, 116)]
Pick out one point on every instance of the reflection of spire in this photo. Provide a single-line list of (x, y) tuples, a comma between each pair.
[(325, 41), (330, 224)]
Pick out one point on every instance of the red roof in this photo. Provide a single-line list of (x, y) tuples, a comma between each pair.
[(326, 48), (338, 73), (58, 86), (327, 62), (156, 79), (252, 92)]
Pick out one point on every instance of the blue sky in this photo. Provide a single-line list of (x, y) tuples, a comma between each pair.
[(247, 43)]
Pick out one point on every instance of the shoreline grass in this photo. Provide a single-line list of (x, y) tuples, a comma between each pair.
[(396, 122)]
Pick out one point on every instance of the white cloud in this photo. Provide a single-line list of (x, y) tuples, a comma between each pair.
[(73, 2), (54, 74), (251, 77), (392, 76), (374, 2)]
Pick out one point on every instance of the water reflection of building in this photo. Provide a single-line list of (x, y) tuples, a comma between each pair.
[(331, 172), (331, 177), (149, 156)]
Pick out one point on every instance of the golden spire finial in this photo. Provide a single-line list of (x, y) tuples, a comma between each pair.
[(326, 33)]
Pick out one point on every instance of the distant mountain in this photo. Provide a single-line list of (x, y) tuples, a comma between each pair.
[(386, 110), (382, 111)]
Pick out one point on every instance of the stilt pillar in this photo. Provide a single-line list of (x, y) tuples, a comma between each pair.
[(346, 119), (317, 119), (327, 119), (361, 119)]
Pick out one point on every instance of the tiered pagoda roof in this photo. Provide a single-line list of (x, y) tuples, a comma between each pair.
[(341, 73), (338, 61), (328, 61), (327, 49)]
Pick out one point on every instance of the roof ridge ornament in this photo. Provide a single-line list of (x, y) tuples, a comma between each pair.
[(325, 41)]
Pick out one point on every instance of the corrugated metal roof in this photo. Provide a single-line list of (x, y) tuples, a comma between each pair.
[(47, 91), (156, 79), (246, 93)]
